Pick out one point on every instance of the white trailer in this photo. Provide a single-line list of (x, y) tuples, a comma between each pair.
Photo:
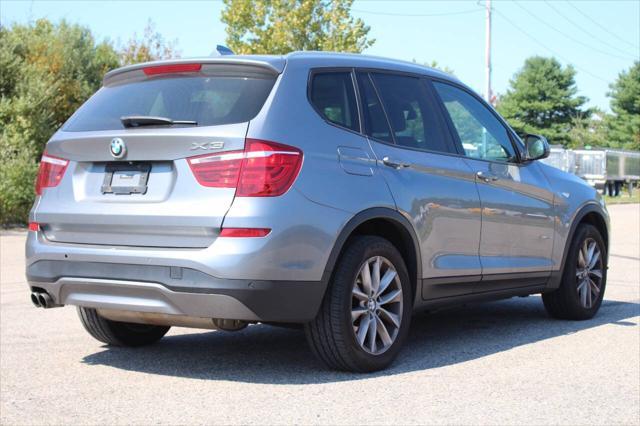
[(608, 169), (561, 158)]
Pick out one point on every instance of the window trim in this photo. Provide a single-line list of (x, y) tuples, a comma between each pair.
[(453, 142), (341, 70), (454, 133), (384, 112), (449, 142)]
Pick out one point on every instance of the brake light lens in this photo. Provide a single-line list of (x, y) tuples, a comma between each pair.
[(268, 169), (245, 232), (263, 169), (34, 226), (217, 170), (172, 68), (50, 172)]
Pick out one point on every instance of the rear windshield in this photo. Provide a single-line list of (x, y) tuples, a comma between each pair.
[(207, 100)]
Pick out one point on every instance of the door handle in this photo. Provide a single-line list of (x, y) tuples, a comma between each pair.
[(486, 177), (395, 164)]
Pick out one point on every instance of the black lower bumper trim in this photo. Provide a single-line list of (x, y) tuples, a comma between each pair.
[(274, 301)]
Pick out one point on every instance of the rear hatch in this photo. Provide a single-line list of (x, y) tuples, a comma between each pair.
[(129, 177)]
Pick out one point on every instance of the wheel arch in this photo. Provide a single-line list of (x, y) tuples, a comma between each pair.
[(386, 223), (591, 214)]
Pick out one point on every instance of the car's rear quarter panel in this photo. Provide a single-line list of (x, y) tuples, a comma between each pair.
[(291, 119)]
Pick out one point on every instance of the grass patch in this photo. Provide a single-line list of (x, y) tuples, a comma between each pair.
[(623, 198)]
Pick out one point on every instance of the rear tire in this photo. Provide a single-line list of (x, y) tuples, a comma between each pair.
[(364, 318), (583, 280), (119, 333)]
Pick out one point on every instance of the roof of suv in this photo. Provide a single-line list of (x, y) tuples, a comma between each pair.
[(328, 59), (312, 59)]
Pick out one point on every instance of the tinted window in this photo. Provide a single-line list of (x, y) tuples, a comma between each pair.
[(374, 119), (412, 118), (482, 135), (333, 96), (208, 100)]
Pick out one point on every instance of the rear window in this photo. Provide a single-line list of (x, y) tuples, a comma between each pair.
[(207, 100)]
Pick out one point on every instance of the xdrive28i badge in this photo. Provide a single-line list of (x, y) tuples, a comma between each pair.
[(118, 148)]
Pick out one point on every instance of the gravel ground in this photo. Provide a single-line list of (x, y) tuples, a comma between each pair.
[(496, 363)]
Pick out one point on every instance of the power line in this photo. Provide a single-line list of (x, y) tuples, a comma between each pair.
[(589, 34), (505, 18), (602, 27), (535, 40), (575, 40), (407, 15)]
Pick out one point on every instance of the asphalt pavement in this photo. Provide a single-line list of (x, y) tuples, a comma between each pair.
[(502, 362)]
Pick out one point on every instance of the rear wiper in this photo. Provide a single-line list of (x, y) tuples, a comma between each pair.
[(149, 120)]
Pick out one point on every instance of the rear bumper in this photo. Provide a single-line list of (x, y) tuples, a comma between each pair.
[(175, 291)]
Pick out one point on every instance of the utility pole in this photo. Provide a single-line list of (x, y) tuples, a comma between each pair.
[(487, 52), (487, 82)]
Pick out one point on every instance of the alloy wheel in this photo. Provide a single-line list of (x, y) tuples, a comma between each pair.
[(376, 305), (589, 273)]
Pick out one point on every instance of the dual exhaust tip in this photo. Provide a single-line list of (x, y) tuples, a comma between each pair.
[(42, 300)]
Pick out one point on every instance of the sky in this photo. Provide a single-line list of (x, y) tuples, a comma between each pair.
[(599, 38)]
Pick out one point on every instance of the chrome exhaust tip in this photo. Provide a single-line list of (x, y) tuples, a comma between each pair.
[(35, 300), (45, 300)]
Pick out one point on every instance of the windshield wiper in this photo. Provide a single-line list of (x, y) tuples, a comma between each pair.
[(149, 120)]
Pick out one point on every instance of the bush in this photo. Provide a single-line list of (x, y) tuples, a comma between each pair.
[(17, 177), (48, 71)]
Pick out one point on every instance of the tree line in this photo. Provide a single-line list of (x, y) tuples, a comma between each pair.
[(542, 98), (49, 69)]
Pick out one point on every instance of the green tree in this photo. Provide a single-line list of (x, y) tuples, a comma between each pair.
[(150, 47), (624, 126), (282, 26), (588, 131), (48, 71), (542, 99)]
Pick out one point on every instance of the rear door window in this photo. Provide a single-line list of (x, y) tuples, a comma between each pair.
[(333, 96), (206, 99)]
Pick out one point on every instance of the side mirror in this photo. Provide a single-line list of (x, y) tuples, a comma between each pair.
[(536, 147)]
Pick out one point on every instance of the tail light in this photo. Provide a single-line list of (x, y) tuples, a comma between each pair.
[(50, 172), (217, 170), (263, 169), (34, 226)]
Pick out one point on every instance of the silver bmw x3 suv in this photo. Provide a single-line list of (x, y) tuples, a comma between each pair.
[(339, 192)]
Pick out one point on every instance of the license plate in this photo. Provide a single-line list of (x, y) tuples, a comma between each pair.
[(126, 178)]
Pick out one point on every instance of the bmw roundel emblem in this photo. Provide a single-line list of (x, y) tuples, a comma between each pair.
[(118, 148)]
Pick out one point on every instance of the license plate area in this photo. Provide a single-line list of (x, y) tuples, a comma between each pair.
[(126, 178)]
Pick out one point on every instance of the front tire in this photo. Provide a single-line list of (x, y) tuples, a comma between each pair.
[(119, 333), (365, 314), (583, 280)]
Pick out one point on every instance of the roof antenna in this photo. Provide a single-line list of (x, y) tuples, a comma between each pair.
[(222, 51)]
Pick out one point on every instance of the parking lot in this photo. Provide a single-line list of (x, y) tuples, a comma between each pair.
[(504, 362)]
